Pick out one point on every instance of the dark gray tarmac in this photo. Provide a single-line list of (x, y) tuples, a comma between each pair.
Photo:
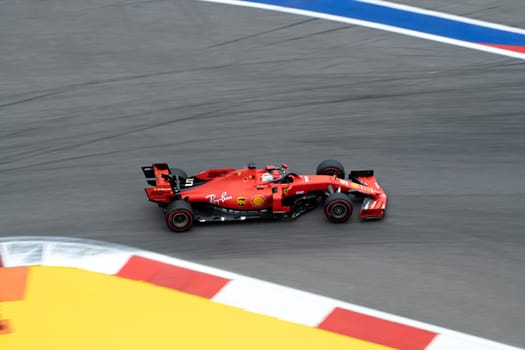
[(92, 90)]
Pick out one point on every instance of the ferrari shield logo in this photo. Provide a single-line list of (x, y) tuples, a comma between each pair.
[(241, 201), (285, 191)]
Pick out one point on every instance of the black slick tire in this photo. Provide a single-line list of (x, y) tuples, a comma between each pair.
[(331, 167), (338, 207), (179, 216)]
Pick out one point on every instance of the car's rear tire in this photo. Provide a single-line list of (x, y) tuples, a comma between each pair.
[(338, 207), (179, 216), (331, 167)]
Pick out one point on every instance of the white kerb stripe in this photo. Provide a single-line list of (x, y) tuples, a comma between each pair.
[(275, 301), (92, 258), (21, 253), (444, 15), (449, 342)]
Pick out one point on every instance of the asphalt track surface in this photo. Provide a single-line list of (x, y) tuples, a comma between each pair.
[(92, 90)]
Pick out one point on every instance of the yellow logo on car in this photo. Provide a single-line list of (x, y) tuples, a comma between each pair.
[(241, 201), (258, 200)]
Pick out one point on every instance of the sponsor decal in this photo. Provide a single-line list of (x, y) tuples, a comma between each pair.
[(217, 201), (285, 191), (258, 200), (344, 182), (354, 185), (306, 179), (241, 201)]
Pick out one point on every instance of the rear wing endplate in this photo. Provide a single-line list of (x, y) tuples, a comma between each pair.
[(149, 172)]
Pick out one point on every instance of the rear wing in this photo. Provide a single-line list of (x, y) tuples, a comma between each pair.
[(153, 174), (149, 173), (158, 175)]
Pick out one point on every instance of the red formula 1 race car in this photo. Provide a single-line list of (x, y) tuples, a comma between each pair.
[(272, 192)]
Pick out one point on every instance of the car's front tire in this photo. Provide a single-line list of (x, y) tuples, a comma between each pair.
[(331, 167), (338, 207), (179, 216)]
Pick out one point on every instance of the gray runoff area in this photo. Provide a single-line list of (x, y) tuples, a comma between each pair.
[(91, 90)]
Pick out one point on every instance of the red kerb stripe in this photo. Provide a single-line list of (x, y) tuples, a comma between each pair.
[(376, 330), (171, 276), (515, 48)]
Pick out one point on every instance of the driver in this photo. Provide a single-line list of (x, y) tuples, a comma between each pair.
[(266, 177), (274, 174)]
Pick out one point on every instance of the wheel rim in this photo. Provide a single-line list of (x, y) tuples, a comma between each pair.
[(339, 211), (179, 220)]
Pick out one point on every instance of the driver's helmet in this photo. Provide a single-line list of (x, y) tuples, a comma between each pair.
[(266, 177)]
